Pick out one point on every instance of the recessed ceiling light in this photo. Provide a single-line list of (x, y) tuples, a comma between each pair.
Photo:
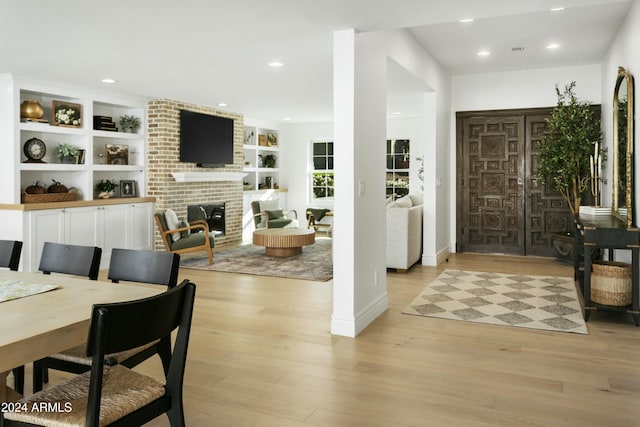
[(275, 64), (553, 46), (466, 20), (108, 80), (556, 9), (484, 53), (287, 119), (397, 113), (222, 104)]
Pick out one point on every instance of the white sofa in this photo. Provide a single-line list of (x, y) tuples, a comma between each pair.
[(404, 232)]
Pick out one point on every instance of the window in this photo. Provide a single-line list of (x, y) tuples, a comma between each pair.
[(398, 156), (322, 175)]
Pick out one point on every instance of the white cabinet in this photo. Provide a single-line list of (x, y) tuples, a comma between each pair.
[(93, 163), (140, 234), (127, 225), (261, 158)]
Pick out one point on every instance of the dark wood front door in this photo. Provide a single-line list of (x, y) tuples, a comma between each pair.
[(501, 207)]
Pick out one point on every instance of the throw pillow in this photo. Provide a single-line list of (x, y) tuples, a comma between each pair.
[(184, 233), (278, 213), (416, 199), (173, 222)]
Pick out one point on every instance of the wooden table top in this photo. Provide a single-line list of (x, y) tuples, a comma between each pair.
[(40, 325)]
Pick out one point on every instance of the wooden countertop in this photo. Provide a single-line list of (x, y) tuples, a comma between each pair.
[(76, 204)]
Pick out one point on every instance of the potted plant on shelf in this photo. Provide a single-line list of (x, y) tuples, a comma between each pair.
[(105, 188), (564, 154), (129, 123), (68, 153)]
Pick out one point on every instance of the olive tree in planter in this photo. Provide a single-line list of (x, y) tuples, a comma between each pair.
[(565, 151)]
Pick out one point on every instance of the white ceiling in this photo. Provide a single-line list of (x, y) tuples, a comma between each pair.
[(211, 51)]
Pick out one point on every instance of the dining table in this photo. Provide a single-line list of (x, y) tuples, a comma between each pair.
[(38, 325)]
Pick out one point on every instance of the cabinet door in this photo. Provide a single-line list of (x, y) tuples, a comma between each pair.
[(140, 234), (44, 226), (81, 226), (113, 226)]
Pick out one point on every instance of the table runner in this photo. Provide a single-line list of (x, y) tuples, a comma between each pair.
[(13, 289)]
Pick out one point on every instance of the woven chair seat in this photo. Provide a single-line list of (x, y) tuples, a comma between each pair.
[(78, 354), (123, 392)]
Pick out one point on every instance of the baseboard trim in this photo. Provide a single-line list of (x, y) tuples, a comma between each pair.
[(436, 259), (352, 327)]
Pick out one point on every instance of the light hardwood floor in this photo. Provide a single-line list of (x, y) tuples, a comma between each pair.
[(261, 354)]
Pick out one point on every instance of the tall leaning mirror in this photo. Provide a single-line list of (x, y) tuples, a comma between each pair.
[(622, 199)]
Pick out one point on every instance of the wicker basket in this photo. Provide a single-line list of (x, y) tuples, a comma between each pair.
[(611, 283), (49, 197)]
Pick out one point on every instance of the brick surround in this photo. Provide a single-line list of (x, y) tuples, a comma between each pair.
[(163, 159)]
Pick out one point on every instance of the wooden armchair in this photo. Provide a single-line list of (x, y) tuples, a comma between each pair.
[(273, 219), (190, 241)]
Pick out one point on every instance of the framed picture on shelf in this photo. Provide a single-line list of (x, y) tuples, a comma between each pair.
[(66, 114), (272, 139), (127, 189), (116, 154)]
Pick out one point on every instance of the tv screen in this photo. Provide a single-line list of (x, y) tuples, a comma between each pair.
[(205, 139)]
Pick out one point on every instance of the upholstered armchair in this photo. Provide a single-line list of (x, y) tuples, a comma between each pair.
[(267, 215), (181, 237)]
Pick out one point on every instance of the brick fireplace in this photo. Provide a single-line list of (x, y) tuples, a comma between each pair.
[(163, 161)]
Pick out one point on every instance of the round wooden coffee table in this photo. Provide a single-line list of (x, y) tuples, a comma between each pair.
[(284, 241)]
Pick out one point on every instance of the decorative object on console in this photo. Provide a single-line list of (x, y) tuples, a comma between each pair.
[(66, 114), (104, 123), (117, 154), (34, 149), (56, 192), (68, 153), (31, 110), (564, 153), (57, 187), (269, 161), (106, 187), (128, 188), (129, 123)]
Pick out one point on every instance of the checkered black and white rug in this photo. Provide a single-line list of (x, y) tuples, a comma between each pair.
[(538, 302)]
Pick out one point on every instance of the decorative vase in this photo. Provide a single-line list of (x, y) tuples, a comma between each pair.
[(68, 160), (31, 110)]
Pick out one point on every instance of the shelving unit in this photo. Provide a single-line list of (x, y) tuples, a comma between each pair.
[(115, 222), (255, 153), (19, 174)]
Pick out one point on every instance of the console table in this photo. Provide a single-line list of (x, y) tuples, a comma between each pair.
[(608, 232)]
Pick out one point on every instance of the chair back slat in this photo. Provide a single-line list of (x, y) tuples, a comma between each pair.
[(144, 266), (70, 259), (132, 324), (10, 251)]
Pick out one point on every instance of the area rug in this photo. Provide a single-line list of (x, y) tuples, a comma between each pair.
[(314, 263), (537, 302)]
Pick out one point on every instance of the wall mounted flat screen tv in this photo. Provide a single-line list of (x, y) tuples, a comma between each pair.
[(205, 139)]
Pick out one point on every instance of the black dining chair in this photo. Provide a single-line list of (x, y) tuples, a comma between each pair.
[(129, 265), (70, 259), (117, 395), (10, 251)]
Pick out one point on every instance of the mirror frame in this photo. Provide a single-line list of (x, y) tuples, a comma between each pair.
[(623, 76)]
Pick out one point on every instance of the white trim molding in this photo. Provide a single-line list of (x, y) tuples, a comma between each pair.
[(207, 176)]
